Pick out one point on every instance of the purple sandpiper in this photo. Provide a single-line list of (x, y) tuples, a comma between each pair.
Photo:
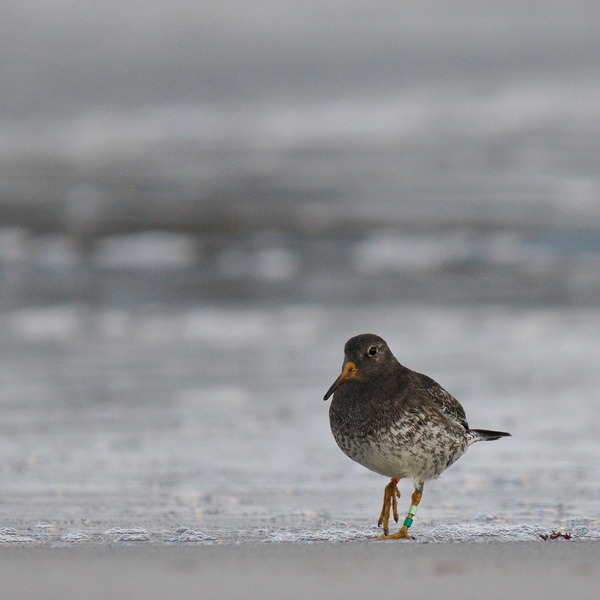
[(396, 422)]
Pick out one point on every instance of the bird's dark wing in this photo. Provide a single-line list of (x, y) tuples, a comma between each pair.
[(428, 389)]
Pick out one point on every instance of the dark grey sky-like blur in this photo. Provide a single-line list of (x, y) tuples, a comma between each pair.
[(61, 57), (379, 142)]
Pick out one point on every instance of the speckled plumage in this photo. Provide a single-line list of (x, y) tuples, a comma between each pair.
[(394, 421)]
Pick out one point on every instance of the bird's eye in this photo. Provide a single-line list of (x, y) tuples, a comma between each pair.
[(372, 351)]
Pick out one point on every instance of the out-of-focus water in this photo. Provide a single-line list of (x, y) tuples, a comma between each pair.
[(448, 195)]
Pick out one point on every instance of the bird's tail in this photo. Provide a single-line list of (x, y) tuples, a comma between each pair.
[(484, 435)]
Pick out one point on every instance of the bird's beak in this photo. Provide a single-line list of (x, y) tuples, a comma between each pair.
[(348, 372)]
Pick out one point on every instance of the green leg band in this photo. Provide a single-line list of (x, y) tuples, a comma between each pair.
[(408, 521), (412, 510)]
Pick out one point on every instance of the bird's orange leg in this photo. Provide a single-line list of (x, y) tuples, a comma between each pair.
[(390, 495), (403, 533)]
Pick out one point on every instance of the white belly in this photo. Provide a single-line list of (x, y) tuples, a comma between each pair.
[(424, 458)]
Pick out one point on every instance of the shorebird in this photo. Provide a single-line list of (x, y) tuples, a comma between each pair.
[(397, 423)]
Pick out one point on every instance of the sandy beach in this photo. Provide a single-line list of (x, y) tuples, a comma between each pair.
[(544, 571), (183, 456), (185, 476)]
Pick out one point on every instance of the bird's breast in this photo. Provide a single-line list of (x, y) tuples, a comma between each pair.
[(403, 442)]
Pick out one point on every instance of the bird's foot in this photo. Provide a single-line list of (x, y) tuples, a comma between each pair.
[(390, 504), (400, 535)]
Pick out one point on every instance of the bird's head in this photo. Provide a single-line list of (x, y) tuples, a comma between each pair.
[(364, 356)]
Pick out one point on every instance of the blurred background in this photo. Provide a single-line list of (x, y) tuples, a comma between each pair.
[(199, 204)]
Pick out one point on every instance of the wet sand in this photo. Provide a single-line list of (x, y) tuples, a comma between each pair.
[(373, 569)]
